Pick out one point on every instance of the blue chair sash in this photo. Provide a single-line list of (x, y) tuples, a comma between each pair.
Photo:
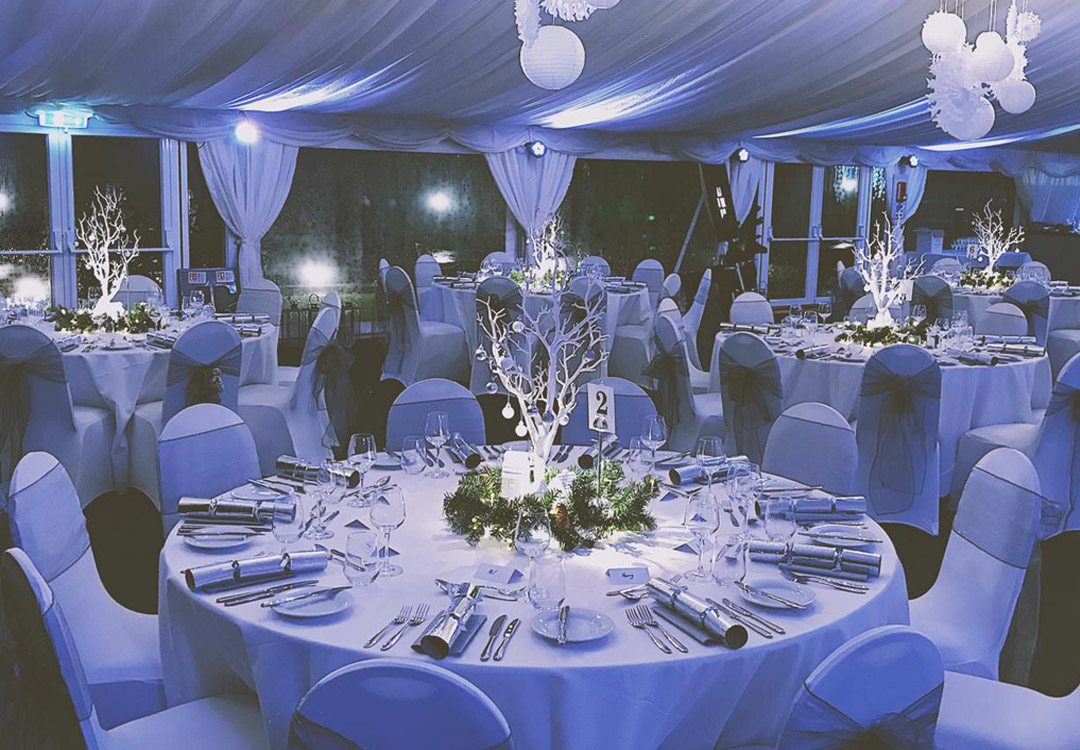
[(755, 393), (908, 408), (1066, 396), (1034, 300), (822, 726), (667, 368), (935, 294), (43, 363), (305, 734), (203, 378), (398, 302), (332, 385), (851, 289)]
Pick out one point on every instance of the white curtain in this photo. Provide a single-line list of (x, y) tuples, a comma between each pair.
[(249, 185), (745, 178), (532, 187), (916, 185), (1054, 200)]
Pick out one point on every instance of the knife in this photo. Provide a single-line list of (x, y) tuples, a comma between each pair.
[(500, 652), (233, 600), (840, 537), (754, 616), (564, 615), (742, 620), (758, 592), (305, 595), (492, 635)]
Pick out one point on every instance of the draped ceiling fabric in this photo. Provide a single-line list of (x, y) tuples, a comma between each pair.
[(745, 178), (915, 177), (533, 188), (1054, 200)]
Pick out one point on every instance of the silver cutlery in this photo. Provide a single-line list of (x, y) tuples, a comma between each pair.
[(500, 651), (782, 490), (754, 616), (564, 615), (332, 516), (240, 532), (496, 629), (840, 537), (634, 618), (627, 590), (233, 599), (745, 621), (489, 592), (849, 586), (768, 595), (332, 591), (399, 619), (646, 616), (417, 619), (267, 486)]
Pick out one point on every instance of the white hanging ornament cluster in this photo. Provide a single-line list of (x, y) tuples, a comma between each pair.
[(552, 57), (962, 75)]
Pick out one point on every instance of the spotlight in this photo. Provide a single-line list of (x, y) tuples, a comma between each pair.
[(5, 202), (849, 184), (316, 274), (536, 149), (911, 160), (439, 202), (246, 132), (743, 155)]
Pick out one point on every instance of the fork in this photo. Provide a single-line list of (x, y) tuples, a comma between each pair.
[(417, 619), (399, 619), (638, 623), (646, 616)]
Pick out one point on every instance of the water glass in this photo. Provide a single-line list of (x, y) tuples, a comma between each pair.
[(362, 557), (324, 484), (289, 528), (639, 463), (654, 433), (918, 313), (729, 565), (437, 432), (388, 513), (744, 488), (547, 584), (532, 535), (779, 519), (809, 324), (702, 520), (361, 457), (709, 456), (413, 450)]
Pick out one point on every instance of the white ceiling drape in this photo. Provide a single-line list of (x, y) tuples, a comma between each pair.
[(1054, 200), (532, 187)]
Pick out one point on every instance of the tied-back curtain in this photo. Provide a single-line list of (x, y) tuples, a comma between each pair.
[(915, 177), (532, 187), (745, 178), (249, 185), (1054, 200)]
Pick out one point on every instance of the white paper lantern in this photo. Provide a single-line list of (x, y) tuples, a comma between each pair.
[(942, 32), (1015, 97), (993, 61), (976, 123), (555, 59), (603, 4)]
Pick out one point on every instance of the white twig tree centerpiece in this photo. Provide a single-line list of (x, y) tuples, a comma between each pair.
[(994, 240), (881, 266), (540, 358), (110, 247)]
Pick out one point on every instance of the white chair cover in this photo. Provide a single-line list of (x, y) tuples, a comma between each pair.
[(851, 290), (420, 349), (502, 295), (631, 352), (991, 543), (1002, 319), (899, 409), (688, 415), (1061, 345), (203, 451), (36, 413), (752, 394), (881, 689), (692, 319), (260, 296), (384, 266), (1033, 299), (944, 266), (650, 272), (699, 379), (750, 308), (331, 299), (135, 289), (507, 261), (585, 293), (865, 308), (594, 261), (1034, 271), (1012, 261), (394, 704), (120, 648), (425, 270), (1057, 455), (410, 409), (632, 406), (935, 294), (672, 285), (812, 443)]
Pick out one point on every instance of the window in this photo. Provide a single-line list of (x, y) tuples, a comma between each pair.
[(24, 217), (347, 209), (626, 211), (206, 228), (951, 200), (789, 249)]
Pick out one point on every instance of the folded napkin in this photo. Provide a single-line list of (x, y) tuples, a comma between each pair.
[(462, 638), (203, 577)]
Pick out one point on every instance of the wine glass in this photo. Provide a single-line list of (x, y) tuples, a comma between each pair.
[(324, 484), (547, 589), (709, 456), (437, 432), (780, 519), (413, 450), (639, 462), (745, 487), (810, 324), (825, 311), (362, 557), (795, 312), (702, 519), (532, 535), (388, 513), (654, 433), (361, 457), (289, 520), (729, 565), (918, 313)]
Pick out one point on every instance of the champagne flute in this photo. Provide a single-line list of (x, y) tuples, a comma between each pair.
[(362, 557), (437, 432), (702, 519), (388, 513), (288, 523), (361, 457), (654, 433)]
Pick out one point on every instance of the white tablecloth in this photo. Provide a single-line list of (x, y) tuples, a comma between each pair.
[(970, 396), (1064, 311), (119, 380), (617, 694)]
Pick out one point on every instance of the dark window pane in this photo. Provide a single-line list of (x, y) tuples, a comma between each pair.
[(787, 270), (25, 278), (879, 198), (132, 164), (24, 192), (144, 264), (791, 200), (953, 198), (830, 253), (840, 201), (206, 229)]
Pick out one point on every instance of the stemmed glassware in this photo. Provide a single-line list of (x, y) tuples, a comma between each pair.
[(324, 485), (918, 313), (654, 433), (779, 519), (710, 457), (547, 591), (640, 459), (361, 457), (744, 488), (532, 536), (289, 528), (437, 432), (825, 310), (413, 451), (387, 514), (702, 519), (362, 557)]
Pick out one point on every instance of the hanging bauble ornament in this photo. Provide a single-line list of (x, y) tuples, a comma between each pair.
[(521, 430), (943, 32), (564, 420), (1028, 26), (508, 410), (549, 417), (1015, 97), (993, 61), (555, 59), (492, 387), (517, 326), (976, 123), (481, 355)]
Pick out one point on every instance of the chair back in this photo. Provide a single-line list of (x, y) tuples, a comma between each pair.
[(322, 395), (934, 293), (865, 308), (1033, 299), (503, 297), (424, 272), (812, 443), (203, 451), (506, 261), (897, 436), (603, 268), (204, 367), (35, 402), (882, 689), (409, 411), (136, 289), (331, 299), (1011, 261), (1035, 271), (650, 272), (379, 704), (672, 285), (1002, 319), (950, 266), (751, 393), (1057, 453), (692, 319), (404, 319), (851, 289), (57, 708), (670, 371), (260, 296), (632, 406), (750, 308)]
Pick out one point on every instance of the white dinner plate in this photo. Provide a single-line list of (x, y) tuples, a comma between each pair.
[(581, 626), (218, 542), (821, 535), (117, 346), (385, 461), (315, 606), (258, 494), (794, 592)]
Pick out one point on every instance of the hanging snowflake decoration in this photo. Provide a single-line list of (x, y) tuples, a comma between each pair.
[(527, 14), (569, 10)]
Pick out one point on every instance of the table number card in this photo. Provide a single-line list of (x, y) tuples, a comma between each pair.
[(628, 576), (601, 407), (500, 574)]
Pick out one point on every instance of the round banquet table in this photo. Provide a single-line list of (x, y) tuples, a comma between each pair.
[(971, 396), (1064, 310), (620, 693), (120, 379)]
